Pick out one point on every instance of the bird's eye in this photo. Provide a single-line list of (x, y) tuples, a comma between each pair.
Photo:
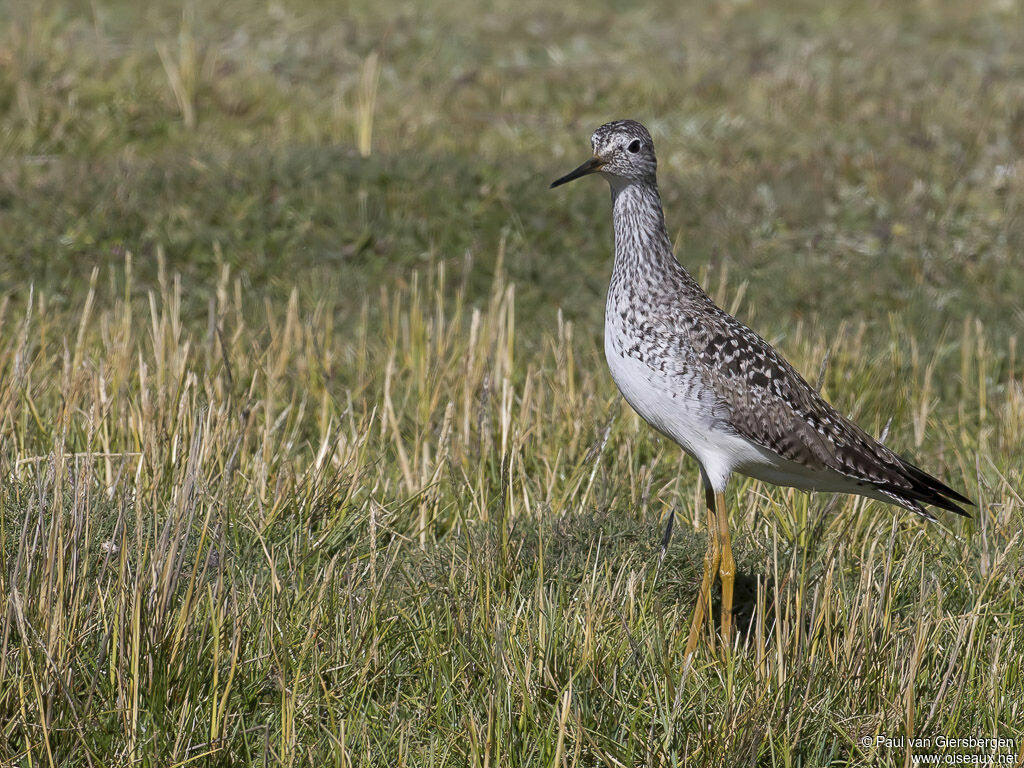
[(634, 146)]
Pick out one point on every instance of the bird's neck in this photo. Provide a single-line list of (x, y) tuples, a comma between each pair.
[(643, 250)]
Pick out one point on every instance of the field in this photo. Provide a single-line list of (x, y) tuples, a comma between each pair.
[(308, 450)]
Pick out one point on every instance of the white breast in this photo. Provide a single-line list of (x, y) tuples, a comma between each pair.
[(680, 407)]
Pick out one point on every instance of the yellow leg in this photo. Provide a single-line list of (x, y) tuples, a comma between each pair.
[(712, 557), (727, 569)]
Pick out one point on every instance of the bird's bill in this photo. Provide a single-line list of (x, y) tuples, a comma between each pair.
[(593, 165)]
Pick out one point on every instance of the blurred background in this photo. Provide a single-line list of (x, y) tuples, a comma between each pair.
[(849, 159)]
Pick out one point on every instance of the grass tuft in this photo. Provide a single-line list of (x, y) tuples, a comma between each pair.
[(276, 543)]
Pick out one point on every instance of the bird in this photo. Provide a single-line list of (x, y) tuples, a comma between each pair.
[(709, 383)]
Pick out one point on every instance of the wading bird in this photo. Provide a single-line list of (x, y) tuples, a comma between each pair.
[(721, 392)]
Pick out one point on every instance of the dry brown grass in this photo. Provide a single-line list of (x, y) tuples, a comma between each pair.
[(272, 542)]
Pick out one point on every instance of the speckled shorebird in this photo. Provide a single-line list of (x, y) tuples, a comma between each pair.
[(701, 377)]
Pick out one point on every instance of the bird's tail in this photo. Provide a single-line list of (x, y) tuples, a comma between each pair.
[(915, 487)]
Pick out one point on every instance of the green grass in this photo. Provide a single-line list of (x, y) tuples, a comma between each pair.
[(309, 452)]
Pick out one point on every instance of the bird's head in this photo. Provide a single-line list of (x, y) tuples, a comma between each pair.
[(623, 153)]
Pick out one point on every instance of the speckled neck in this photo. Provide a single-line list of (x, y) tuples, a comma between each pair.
[(643, 250)]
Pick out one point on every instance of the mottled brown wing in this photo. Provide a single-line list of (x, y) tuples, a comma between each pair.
[(771, 404)]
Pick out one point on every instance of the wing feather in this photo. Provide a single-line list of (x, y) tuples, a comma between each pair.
[(771, 404)]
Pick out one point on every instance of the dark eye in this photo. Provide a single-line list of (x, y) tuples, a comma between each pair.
[(634, 146)]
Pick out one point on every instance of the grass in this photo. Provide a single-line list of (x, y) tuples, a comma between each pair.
[(310, 455)]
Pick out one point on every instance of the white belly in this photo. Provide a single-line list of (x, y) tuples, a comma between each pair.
[(680, 408)]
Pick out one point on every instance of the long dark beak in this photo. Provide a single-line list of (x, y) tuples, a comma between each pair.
[(593, 165)]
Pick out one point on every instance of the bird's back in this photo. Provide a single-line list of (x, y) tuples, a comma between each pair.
[(727, 397)]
